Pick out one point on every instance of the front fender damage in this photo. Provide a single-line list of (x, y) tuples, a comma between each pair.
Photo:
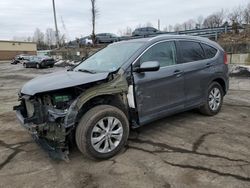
[(56, 133)]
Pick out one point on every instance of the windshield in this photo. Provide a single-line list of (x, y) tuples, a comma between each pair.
[(110, 58)]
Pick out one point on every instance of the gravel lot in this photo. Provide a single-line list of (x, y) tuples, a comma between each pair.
[(185, 150)]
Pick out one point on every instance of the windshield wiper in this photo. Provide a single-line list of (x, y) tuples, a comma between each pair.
[(87, 71)]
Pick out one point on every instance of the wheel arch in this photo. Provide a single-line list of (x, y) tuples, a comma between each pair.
[(113, 92), (117, 100), (222, 82)]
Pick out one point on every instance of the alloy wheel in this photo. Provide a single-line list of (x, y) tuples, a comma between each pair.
[(214, 99), (106, 134)]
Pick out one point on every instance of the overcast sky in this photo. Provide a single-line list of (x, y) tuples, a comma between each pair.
[(21, 17)]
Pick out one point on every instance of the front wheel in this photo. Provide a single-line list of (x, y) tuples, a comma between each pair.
[(102, 132), (38, 66), (214, 100)]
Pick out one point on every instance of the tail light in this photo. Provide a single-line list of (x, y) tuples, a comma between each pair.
[(225, 58)]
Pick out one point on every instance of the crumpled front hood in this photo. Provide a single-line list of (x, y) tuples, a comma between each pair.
[(60, 80)]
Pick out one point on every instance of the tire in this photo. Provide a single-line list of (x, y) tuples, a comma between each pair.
[(38, 66), (51, 66), (208, 109), (89, 130), (25, 65)]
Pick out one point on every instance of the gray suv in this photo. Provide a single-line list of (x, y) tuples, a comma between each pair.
[(145, 31), (126, 85), (106, 38)]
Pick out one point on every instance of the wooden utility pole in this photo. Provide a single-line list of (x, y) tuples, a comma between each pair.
[(159, 24), (57, 33)]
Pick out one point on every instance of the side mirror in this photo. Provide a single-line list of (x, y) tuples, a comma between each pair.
[(148, 66)]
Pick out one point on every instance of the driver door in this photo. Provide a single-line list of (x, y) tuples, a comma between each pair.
[(161, 92)]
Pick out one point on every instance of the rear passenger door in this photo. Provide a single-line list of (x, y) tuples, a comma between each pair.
[(197, 71), (159, 93)]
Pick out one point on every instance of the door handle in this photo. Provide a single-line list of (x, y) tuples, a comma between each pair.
[(178, 73), (208, 65)]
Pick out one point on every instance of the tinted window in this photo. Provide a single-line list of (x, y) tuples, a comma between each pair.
[(164, 53), (191, 51), (151, 29), (210, 52)]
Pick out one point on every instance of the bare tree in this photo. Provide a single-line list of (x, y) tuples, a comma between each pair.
[(149, 24), (184, 26), (38, 37), (25, 39), (94, 14), (190, 24), (236, 15), (29, 39), (177, 27), (62, 39), (214, 20), (50, 38), (246, 14), (139, 26), (165, 29), (170, 28), (200, 20), (125, 32)]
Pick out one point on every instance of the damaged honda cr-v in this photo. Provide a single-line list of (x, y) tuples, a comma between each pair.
[(125, 85)]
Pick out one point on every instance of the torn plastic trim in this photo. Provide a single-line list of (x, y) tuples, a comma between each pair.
[(54, 153), (71, 115), (130, 96), (68, 115), (55, 114)]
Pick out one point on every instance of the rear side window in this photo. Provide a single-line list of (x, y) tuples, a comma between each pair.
[(191, 51), (210, 52), (164, 53)]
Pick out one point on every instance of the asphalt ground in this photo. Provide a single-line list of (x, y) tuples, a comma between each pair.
[(184, 150)]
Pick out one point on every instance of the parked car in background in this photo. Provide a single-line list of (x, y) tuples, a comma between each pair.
[(88, 41), (106, 38), (19, 58), (125, 85), (145, 31), (39, 62)]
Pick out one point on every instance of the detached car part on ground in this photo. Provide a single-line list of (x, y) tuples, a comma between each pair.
[(125, 85), (39, 62), (20, 59)]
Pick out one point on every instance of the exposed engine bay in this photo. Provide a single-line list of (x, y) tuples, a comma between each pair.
[(47, 115), (51, 117)]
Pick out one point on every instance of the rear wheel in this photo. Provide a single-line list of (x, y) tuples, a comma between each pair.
[(214, 100), (102, 132)]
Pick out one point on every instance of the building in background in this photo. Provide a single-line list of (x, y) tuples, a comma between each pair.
[(9, 49)]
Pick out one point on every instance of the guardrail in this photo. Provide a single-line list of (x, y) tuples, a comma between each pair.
[(204, 32)]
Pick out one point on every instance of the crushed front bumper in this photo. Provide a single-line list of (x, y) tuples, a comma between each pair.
[(57, 149)]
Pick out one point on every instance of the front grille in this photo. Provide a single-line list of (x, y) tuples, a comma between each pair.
[(30, 108)]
